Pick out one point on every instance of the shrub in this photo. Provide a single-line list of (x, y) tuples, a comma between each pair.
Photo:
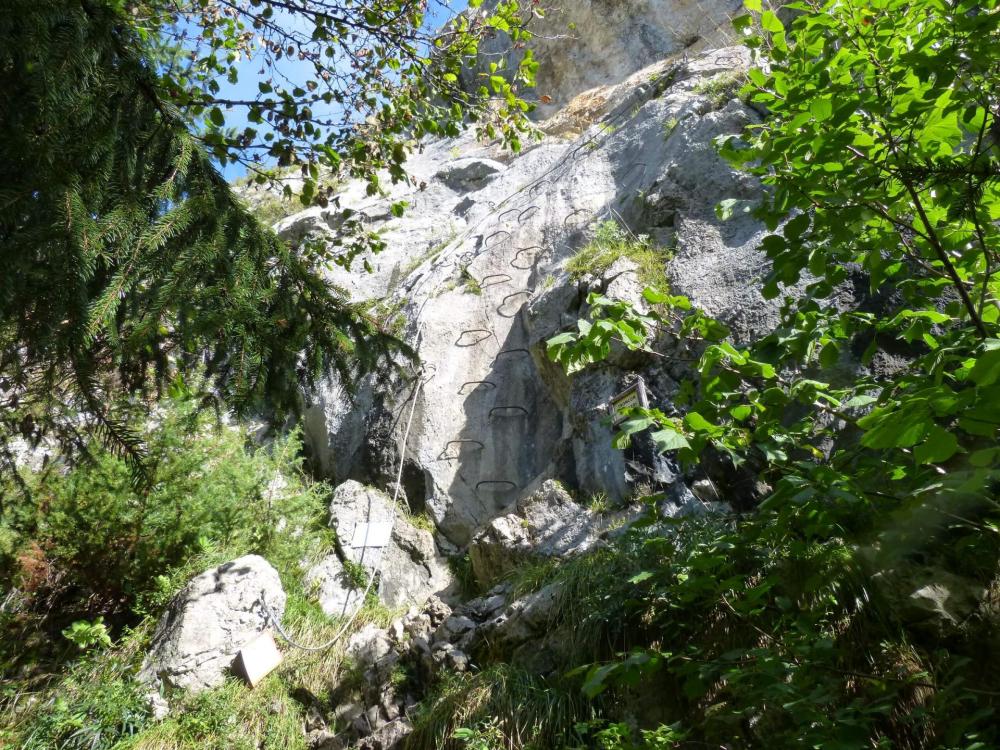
[(213, 497), (106, 543), (85, 541)]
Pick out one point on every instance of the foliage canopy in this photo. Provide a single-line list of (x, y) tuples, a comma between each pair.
[(871, 427), (128, 260)]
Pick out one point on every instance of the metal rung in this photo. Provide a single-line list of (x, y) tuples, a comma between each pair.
[(527, 214), (485, 331), (574, 213), (443, 456), (494, 482), (487, 244), (503, 302), (464, 441), (498, 411), (503, 279), (520, 252), (489, 383), (535, 189), (529, 292), (511, 211)]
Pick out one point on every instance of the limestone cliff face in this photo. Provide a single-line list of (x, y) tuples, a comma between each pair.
[(585, 44), (477, 269)]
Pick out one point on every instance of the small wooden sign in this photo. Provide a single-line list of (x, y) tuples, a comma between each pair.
[(257, 659), (369, 535), (635, 396)]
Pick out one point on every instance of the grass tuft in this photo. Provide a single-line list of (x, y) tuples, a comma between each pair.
[(521, 709), (610, 244), (722, 87)]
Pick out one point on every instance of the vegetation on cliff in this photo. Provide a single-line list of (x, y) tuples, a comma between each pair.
[(871, 431)]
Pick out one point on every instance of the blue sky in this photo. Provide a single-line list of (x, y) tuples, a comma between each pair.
[(249, 75)]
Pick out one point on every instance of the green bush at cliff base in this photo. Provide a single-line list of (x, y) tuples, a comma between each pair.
[(84, 541), (94, 542)]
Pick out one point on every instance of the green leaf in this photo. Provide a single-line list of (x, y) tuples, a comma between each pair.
[(830, 355), (740, 413), (821, 109), (859, 401), (697, 423), (595, 684), (669, 439), (769, 22), (894, 429), (217, 117), (940, 445), (725, 209), (987, 368)]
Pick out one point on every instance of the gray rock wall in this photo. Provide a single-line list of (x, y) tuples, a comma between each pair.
[(477, 267)]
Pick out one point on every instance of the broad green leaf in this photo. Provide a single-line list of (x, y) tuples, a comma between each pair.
[(669, 439), (859, 401), (987, 368), (940, 445), (886, 428), (741, 412), (769, 22), (821, 109)]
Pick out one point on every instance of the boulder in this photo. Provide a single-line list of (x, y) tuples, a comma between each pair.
[(410, 568), (527, 618), (370, 647), (929, 598), (389, 736), (547, 523), (207, 623), (331, 584), (520, 630)]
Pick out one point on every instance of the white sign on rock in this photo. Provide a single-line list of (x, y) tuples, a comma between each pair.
[(375, 534), (257, 659)]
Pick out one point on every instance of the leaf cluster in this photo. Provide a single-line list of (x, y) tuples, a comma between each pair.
[(870, 427), (344, 87)]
